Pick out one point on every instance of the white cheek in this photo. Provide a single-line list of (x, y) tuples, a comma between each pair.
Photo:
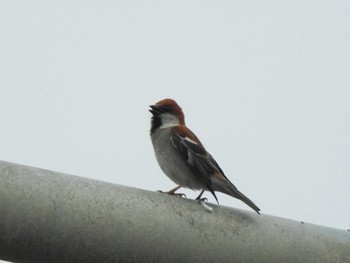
[(169, 120)]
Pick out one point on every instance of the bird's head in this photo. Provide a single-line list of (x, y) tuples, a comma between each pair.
[(166, 113)]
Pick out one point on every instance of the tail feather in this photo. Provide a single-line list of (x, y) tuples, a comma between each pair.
[(234, 192), (246, 200)]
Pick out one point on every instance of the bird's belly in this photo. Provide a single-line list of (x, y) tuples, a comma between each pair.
[(175, 167)]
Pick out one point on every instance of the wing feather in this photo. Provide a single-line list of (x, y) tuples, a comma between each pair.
[(198, 158)]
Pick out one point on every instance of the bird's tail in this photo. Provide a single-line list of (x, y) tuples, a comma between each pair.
[(232, 190)]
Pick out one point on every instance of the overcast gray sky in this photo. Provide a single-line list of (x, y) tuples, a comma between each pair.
[(264, 84)]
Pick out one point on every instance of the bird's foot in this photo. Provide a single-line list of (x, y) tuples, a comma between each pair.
[(172, 192), (200, 195)]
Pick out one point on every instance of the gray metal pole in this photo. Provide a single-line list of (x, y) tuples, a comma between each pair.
[(47, 216)]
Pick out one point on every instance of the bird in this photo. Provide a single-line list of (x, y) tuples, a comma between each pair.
[(183, 158)]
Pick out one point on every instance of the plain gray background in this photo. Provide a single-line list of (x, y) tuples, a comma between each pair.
[(264, 84)]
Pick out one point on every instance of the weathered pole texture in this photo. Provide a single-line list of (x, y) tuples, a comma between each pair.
[(47, 216)]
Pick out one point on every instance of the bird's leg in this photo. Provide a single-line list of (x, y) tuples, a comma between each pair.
[(172, 192), (200, 195)]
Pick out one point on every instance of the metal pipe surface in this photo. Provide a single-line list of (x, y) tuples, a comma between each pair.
[(48, 216)]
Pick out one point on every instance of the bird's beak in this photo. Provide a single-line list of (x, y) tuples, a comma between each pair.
[(154, 109)]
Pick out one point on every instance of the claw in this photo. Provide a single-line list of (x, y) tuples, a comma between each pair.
[(181, 195), (200, 195), (172, 192)]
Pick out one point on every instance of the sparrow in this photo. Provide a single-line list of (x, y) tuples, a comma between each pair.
[(183, 158)]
